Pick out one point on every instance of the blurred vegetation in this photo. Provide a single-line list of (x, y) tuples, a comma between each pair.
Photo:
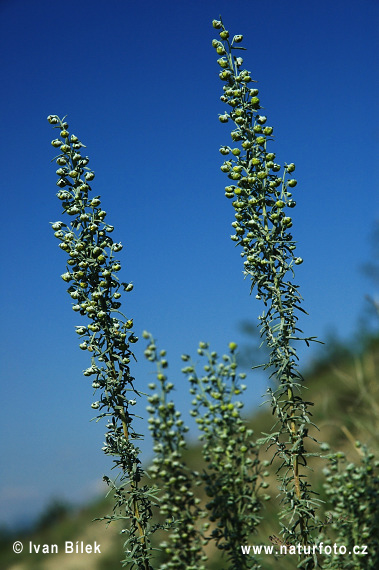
[(344, 386)]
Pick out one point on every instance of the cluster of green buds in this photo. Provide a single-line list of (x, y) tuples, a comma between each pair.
[(92, 272), (353, 493), (234, 475), (262, 197), (178, 503), (94, 286)]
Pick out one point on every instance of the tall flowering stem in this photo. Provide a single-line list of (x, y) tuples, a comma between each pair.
[(261, 193), (234, 475), (178, 503), (92, 274)]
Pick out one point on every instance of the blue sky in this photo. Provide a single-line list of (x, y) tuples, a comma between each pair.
[(139, 83)]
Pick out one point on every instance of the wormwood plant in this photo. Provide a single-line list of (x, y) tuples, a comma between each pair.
[(233, 479), (353, 492), (92, 270), (262, 194)]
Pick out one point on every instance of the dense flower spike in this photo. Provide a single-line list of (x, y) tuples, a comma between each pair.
[(178, 503), (234, 476), (95, 289), (353, 492), (262, 200)]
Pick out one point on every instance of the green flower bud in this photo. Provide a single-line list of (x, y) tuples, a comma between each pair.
[(236, 135), (292, 183), (223, 118), (224, 75), (57, 225), (56, 143), (222, 62), (64, 133), (298, 260), (73, 211), (221, 50), (216, 24), (89, 175), (260, 140), (237, 39), (65, 148), (290, 167), (268, 130), (224, 35), (53, 119)]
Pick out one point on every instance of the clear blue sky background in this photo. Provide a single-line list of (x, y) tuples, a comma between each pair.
[(139, 83)]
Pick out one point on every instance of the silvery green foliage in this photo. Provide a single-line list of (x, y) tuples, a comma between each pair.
[(353, 500), (234, 476), (262, 197), (92, 274), (178, 503)]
